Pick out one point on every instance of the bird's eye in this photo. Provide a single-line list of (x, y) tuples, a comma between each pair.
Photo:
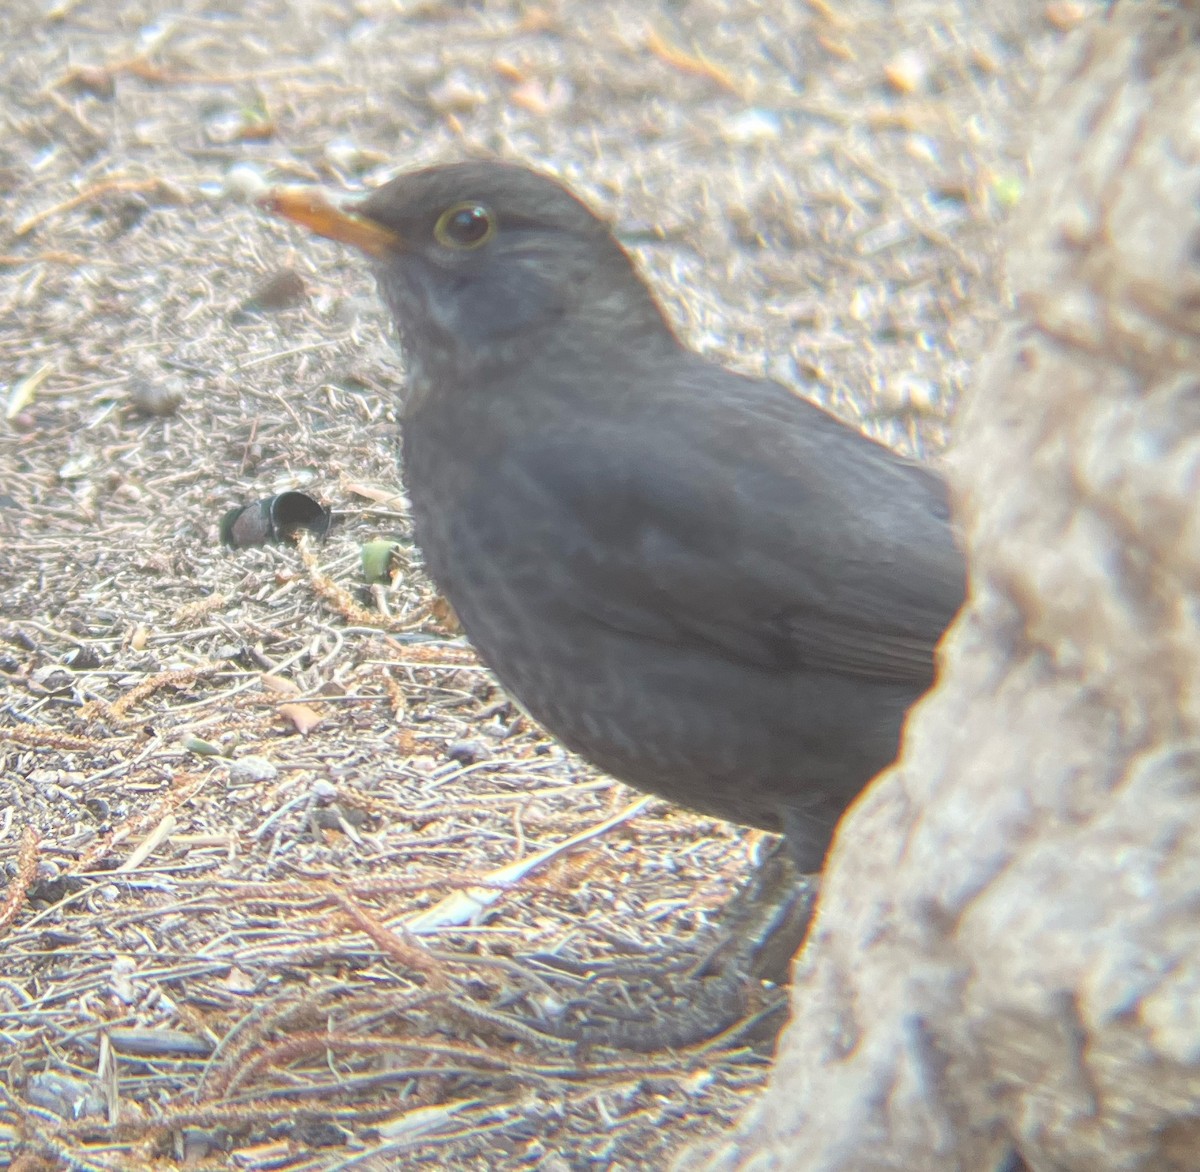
[(465, 225)]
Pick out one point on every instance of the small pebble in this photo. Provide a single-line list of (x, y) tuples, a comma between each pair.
[(909, 393), (468, 752), (224, 126), (1064, 15), (252, 768), (753, 125), (52, 678), (922, 148), (280, 290), (245, 182), (907, 72), (156, 396), (457, 94)]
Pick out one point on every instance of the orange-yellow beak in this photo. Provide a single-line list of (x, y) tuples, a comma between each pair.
[(309, 207)]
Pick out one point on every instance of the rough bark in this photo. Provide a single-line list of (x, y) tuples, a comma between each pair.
[(1005, 969)]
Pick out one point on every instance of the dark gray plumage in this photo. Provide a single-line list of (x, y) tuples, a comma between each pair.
[(704, 584)]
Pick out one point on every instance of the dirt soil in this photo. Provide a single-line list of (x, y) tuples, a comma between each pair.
[(226, 777)]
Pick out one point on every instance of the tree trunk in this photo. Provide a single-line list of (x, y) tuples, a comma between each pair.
[(1005, 968)]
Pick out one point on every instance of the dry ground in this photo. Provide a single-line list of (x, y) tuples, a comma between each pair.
[(193, 944)]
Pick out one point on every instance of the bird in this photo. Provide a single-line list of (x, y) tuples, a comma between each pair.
[(703, 583)]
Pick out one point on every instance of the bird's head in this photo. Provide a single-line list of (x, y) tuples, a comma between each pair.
[(481, 262)]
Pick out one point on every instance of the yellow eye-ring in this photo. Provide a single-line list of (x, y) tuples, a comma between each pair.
[(465, 225)]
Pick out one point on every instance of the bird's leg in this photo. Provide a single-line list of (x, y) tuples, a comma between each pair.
[(736, 976)]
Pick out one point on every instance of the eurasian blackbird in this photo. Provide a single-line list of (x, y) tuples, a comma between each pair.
[(704, 584)]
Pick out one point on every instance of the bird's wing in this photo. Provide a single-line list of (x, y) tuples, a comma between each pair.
[(784, 539)]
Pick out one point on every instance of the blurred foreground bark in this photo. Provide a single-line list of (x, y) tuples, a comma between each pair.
[(1005, 972)]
